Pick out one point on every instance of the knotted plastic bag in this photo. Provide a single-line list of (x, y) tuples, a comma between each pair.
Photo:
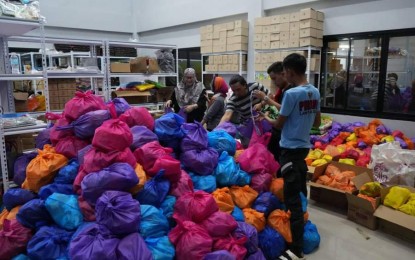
[(191, 240), (195, 206), (202, 162), (43, 138), (219, 224), (49, 189), (167, 207), (120, 104), (182, 186), (277, 188), (224, 199), (257, 159), (154, 191), (225, 169), (34, 214), (153, 222), (206, 183), (138, 116), (118, 211), (250, 232), (56, 135), (141, 175), (255, 218), (112, 135), (64, 210), (266, 202), (168, 129), (82, 153), (147, 154), (67, 174), (13, 239), (311, 238), (244, 196), (220, 255), (261, 182), (20, 166), (170, 166), (16, 197), (396, 197), (196, 137), (280, 221), (94, 242), (271, 243), (161, 248), (234, 245), (82, 103), (258, 255), (227, 127), (96, 160), (222, 141), (237, 214), (133, 246), (119, 176), (141, 136), (49, 243), (69, 146)]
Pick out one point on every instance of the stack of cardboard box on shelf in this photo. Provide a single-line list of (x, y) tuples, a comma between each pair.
[(60, 92), (291, 30), (225, 63), (224, 37)]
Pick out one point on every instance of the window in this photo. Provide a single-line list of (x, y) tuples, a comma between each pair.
[(370, 74)]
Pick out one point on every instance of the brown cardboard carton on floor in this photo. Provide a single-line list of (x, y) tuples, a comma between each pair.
[(332, 196), (359, 210), (394, 221)]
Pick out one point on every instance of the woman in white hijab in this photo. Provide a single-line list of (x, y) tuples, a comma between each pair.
[(189, 96)]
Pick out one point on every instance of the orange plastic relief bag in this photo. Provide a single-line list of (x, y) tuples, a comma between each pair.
[(3, 216), (243, 196), (41, 170), (237, 154), (141, 177), (277, 188), (255, 218), (224, 200), (280, 221)]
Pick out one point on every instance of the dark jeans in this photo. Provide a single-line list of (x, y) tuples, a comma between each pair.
[(274, 146), (294, 172)]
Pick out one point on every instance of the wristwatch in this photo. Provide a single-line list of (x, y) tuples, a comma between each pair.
[(266, 98)]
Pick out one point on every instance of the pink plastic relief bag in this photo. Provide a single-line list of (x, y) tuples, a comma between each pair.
[(13, 239), (220, 224), (82, 103), (191, 240), (195, 206), (56, 135), (257, 159), (233, 245), (87, 210), (170, 166), (183, 186), (138, 116), (147, 154), (95, 159), (70, 146), (112, 135)]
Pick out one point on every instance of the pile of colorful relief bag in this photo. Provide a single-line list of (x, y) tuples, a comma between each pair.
[(110, 182)]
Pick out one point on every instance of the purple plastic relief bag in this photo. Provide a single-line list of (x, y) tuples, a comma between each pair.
[(195, 137), (121, 105), (119, 212), (118, 176), (43, 138), (82, 152), (220, 255), (94, 242), (84, 127), (133, 247), (20, 167), (249, 231), (202, 162), (227, 127), (141, 136)]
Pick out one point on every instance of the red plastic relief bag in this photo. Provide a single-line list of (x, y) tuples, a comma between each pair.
[(183, 186), (138, 116), (70, 146), (95, 160), (191, 240), (235, 246), (112, 135), (220, 224), (13, 239), (87, 210), (170, 166), (81, 104), (257, 159), (56, 135), (195, 206), (147, 154)]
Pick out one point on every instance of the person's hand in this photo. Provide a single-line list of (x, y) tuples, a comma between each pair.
[(258, 107), (190, 108), (259, 94), (168, 103)]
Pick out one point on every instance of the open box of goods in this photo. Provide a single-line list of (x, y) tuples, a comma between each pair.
[(396, 215), (332, 181)]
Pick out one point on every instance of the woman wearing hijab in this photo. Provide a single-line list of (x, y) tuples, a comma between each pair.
[(216, 104), (189, 96)]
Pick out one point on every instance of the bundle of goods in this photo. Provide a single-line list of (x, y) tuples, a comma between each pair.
[(402, 199), (326, 122), (335, 178), (352, 143), (110, 182)]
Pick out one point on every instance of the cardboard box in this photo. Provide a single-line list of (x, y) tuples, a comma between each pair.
[(237, 47), (275, 37), (284, 44), (258, 66), (294, 26), (216, 35), (284, 35), (270, 59), (308, 13), (206, 43), (277, 56), (241, 24), (333, 45), (258, 29), (258, 45), (219, 48), (266, 45), (218, 59), (285, 18), (223, 41), (266, 29), (209, 28), (20, 101), (230, 26), (294, 43), (209, 36), (258, 58), (266, 37), (216, 42), (203, 36), (202, 30), (310, 41), (238, 39), (311, 23), (359, 210), (260, 21), (240, 32), (133, 97), (234, 68), (274, 28), (211, 60), (395, 222), (284, 27), (315, 64), (275, 44), (295, 35), (219, 27), (225, 59), (222, 35), (320, 16), (332, 196), (264, 58), (311, 32), (258, 37), (276, 19), (119, 67), (295, 17), (206, 49)]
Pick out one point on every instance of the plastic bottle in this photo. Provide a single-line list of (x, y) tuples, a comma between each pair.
[(14, 62)]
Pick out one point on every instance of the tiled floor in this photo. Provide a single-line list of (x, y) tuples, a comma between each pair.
[(343, 239)]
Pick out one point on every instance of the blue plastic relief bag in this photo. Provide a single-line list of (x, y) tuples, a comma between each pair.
[(226, 168), (21, 257), (220, 255), (266, 202), (16, 197), (133, 247), (249, 231), (49, 243), (34, 214), (222, 141), (271, 243), (118, 211), (311, 238), (238, 214), (65, 210), (206, 183), (304, 202), (49, 189), (161, 248), (67, 174), (153, 222), (168, 127), (258, 255), (167, 207), (154, 191)]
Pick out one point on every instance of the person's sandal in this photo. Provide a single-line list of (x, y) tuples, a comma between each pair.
[(288, 255)]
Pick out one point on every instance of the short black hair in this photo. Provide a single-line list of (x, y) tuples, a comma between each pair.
[(295, 62), (275, 67), (393, 75), (237, 78)]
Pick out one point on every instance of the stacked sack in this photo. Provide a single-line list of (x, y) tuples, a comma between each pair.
[(168, 188), (335, 178)]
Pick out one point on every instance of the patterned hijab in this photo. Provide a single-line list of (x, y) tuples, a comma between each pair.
[(188, 95)]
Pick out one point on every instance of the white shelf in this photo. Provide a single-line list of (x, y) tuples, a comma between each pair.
[(25, 129), (290, 49), (119, 75), (223, 72), (68, 75), (12, 26), (11, 77), (224, 53), (141, 45)]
